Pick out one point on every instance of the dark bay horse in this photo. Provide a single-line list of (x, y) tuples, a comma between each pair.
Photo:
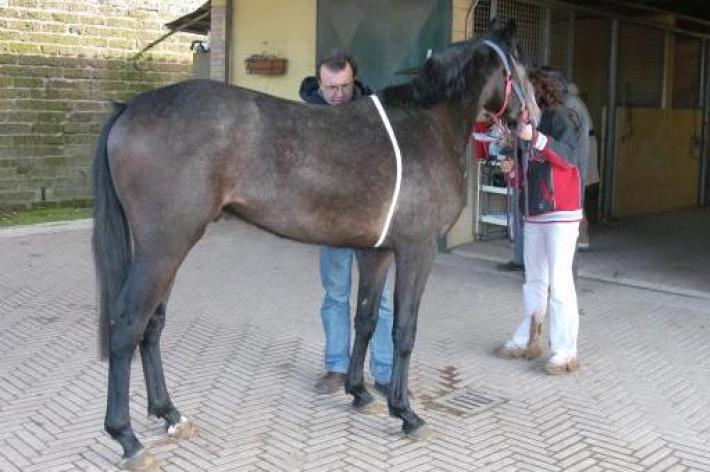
[(171, 160)]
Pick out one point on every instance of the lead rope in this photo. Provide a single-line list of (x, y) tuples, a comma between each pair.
[(398, 159)]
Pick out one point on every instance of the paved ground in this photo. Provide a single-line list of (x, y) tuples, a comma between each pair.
[(243, 346)]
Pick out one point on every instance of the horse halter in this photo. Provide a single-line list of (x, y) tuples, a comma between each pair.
[(510, 83), (520, 92)]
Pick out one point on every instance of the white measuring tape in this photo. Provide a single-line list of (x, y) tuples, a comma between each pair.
[(398, 158)]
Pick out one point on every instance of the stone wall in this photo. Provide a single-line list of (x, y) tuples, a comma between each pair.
[(61, 63)]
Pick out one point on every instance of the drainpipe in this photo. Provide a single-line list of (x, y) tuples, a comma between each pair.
[(703, 190), (610, 132), (228, 38), (218, 40), (544, 52), (570, 46)]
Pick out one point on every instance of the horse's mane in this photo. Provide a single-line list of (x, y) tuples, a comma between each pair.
[(446, 75)]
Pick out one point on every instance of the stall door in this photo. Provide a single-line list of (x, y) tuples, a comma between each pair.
[(386, 37)]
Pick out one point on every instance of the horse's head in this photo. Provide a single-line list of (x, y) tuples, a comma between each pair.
[(484, 75), (508, 95)]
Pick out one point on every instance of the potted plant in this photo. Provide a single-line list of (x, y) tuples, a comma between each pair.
[(266, 63)]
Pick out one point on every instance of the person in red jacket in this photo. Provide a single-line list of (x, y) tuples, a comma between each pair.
[(552, 208)]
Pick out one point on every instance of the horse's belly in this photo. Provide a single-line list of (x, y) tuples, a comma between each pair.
[(311, 225)]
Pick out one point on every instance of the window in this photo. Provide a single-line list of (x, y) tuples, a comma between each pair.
[(641, 56), (686, 72)]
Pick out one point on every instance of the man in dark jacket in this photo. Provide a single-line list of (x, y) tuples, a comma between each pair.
[(335, 84), (586, 149), (340, 86)]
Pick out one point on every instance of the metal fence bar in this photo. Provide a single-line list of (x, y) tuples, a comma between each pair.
[(705, 134), (570, 45), (610, 132), (544, 52)]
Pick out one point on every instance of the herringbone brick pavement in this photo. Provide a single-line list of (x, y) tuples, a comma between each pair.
[(242, 349)]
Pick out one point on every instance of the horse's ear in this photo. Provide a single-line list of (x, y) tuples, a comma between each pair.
[(495, 25), (510, 35), (510, 31)]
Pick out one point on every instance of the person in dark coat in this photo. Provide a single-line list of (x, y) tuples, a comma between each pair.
[(335, 85)]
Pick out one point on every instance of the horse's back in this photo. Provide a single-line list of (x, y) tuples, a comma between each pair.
[(169, 152), (185, 151), (312, 173)]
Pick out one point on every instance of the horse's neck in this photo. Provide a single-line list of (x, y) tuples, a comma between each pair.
[(456, 121)]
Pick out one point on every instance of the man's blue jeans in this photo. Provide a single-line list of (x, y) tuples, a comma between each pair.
[(335, 271)]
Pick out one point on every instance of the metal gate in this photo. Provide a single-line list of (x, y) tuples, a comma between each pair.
[(634, 73), (545, 34)]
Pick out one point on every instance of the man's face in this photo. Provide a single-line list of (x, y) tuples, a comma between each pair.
[(336, 86)]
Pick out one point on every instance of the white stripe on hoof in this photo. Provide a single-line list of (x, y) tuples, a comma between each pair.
[(172, 430), (184, 429)]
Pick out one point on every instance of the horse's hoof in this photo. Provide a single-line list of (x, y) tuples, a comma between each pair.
[(184, 429), (142, 461), (422, 433), (373, 407)]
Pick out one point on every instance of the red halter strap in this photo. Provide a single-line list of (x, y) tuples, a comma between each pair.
[(508, 89)]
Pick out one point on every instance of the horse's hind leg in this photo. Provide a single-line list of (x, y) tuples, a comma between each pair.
[(372, 266), (146, 285), (159, 403), (413, 266)]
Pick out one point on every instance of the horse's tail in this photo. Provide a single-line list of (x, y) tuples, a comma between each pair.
[(111, 240)]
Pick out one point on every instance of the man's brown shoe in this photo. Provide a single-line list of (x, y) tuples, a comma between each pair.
[(331, 382)]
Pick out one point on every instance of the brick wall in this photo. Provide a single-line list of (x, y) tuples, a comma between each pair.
[(218, 21), (61, 63)]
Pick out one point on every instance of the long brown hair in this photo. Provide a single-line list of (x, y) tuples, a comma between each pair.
[(549, 87)]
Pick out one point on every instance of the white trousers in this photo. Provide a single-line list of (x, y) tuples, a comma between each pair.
[(549, 251)]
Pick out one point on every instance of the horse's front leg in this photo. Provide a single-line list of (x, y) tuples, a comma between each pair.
[(413, 266), (372, 266)]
